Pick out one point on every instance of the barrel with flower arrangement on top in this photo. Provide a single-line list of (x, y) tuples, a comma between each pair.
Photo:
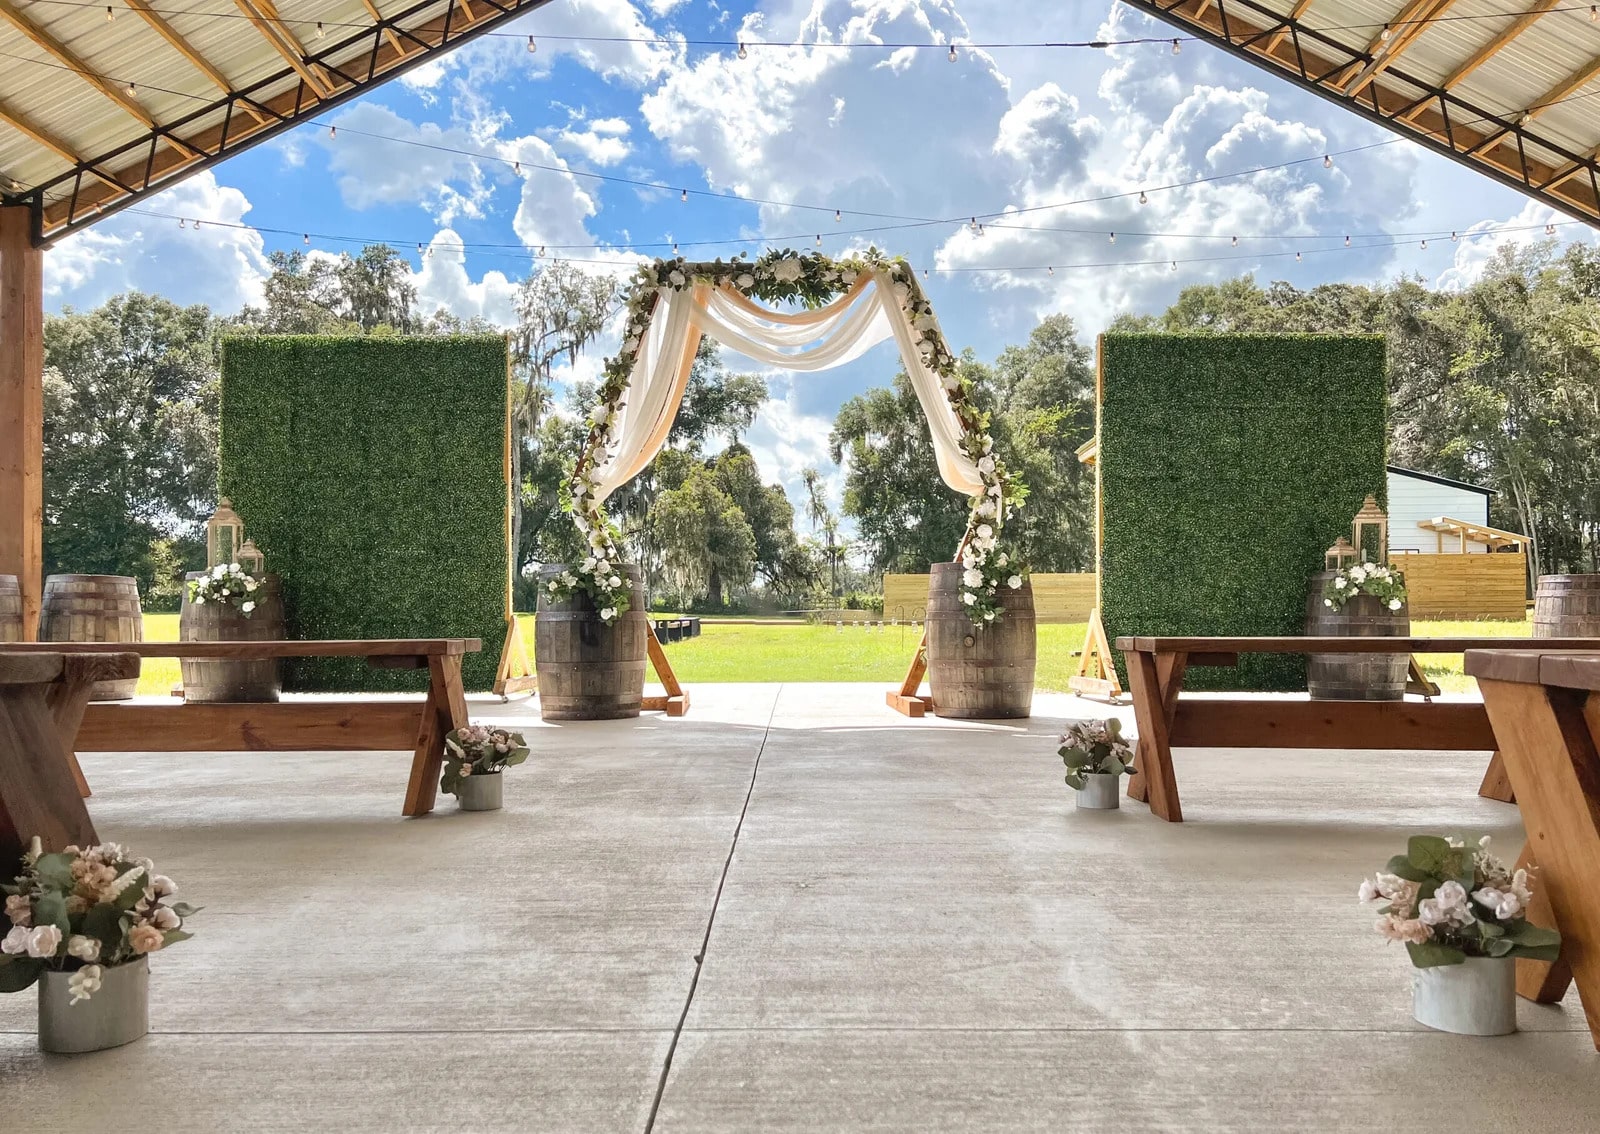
[(590, 642), (1365, 599), (982, 644), (229, 604)]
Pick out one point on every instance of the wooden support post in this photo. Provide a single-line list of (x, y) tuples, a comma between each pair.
[(1156, 681), (22, 410), (676, 702), (515, 674), (906, 699)]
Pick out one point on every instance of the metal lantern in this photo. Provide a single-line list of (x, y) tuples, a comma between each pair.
[(224, 535), (1370, 532), (1339, 556), (250, 559)]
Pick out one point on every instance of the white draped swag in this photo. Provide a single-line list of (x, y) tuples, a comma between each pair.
[(828, 336)]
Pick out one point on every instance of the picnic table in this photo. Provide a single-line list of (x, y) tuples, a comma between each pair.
[(1156, 669), (1545, 707), (42, 697), (344, 723)]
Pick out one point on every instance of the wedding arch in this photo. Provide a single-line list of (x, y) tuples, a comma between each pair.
[(847, 305)]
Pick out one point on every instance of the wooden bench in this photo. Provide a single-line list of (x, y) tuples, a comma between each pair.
[(1156, 669), (1545, 707), (42, 698), (345, 723)]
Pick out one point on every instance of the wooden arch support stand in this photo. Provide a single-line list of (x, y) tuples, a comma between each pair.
[(676, 701), (906, 699), (515, 673), (1097, 671)]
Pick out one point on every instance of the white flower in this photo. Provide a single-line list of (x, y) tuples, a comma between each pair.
[(901, 293), (969, 560), (988, 616), (986, 507), (745, 282), (1504, 903), (43, 941), (219, 570), (19, 909), (1002, 560), (972, 577), (986, 465), (16, 941), (614, 581), (1358, 573), (608, 614), (630, 345), (555, 585), (247, 607), (985, 532), (1394, 604), (949, 380), (199, 600), (1339, 584), (84, 983), (1448, 906), (1014, 582), (251, 584), (677, 279), (164, 918), (1368, 891), (83, 948), (968, 597), (787, 270), (162, 885), (588, 564), (1327, 602)]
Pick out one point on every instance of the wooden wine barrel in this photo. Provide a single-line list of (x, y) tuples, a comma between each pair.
[(10, 609), (223, 679), (979, 671), (588, 670), (93, 608), (1355, 677), (1567, 606)]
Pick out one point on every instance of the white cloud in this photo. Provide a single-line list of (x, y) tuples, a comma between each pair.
[(381, 158), (221, 266), (1479, 243), (786, 441), (443, 281), (603, 143)]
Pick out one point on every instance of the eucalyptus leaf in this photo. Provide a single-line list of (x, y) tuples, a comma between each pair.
[(1525, 933), (1430, 955), (17, 973), (1400, 866), (51, 909), (1076, 780), (104, 923), (1431, 855), (1498, 947), (55, 871)]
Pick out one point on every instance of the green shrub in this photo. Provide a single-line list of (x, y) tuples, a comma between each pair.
[(370, 471), (1229, 463)]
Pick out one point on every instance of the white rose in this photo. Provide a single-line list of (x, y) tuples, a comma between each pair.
[(1338, 584), (968, 597), (985, 531), (608, 614), (247, 607), (988, 616), (588, 564), (19, 909), (233, 567), (787, 270), (164, 918), (43, 941), (1327, 602), (1014, 582), (972, 577), (969, 560), (16, 941), (924, 322), (949, 380), (83, 948), (745, 282), (614, 581), (986, 465), (677, 279), (84, 983), (162, 885)]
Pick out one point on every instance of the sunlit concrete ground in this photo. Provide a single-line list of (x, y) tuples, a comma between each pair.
[(915, 932)]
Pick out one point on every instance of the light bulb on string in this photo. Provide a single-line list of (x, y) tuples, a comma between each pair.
[(532, 47), (1297, 257), (1549, 230), (684, 196), (541, 250), (1454, 238), (743, 54), (322, 32), (1384, 34), (516, 167), (1347, 242), (819, 240), (1424, 243), (1177, 47), (1327, 161), (305, 238), (196, 222), (1143, 200), (838, 216), (1174, 265), (1111, 238), (419, 248), (181, 223), (1594, 13), (333, 131), (674, 247), (1235, 242), (110, 15), (132, 88), (1050, 270), (972, 224), (952, 55)]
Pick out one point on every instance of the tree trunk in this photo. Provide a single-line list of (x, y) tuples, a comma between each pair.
[(714, 589), (516, 507)]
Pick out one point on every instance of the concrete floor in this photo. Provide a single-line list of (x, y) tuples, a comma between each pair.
[(915, 932)]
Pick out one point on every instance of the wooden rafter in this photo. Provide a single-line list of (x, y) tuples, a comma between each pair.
[(1544, 102), (23, 125), (88, 74), (284, 43), (270, 10), (1570, 170), (1488, 51), (1388, 53), (388, 33), (186, 49), (1411, 16), (1277, 37)]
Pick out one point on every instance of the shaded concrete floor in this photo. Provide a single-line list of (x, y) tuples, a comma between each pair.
[(915, 931)]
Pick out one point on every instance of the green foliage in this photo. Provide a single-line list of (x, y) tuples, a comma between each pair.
[(475, 750), (370, 473), (1229, 464), (1095, 748)]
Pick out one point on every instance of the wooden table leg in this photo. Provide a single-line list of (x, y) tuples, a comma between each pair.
[(1170, 670), (444, 708), (1544, 981), (1496, 783), (1151, 700), (68, 709)]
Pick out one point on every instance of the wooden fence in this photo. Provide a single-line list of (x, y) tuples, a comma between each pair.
[(1466, 585), (1056, 598)]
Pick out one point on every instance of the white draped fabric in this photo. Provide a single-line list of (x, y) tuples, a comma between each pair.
[(830, 336)]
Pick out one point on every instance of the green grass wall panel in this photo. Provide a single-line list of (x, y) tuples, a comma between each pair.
[(371, 473), (1229, 463)]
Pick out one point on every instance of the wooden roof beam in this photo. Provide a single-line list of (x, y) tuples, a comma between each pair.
[(1488, 51), (283, 43), (184, 48), (26, 127), (388, 33), (1544, 102), (1409, 16), (1277, 37), (55, 47), (1570, 170), (1389, 52)]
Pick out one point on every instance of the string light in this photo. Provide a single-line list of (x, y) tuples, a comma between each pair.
[(110, 15), (1385, 33), (838, 215), (1347, 242), (1235, 242), (333, 131), (1594, 13), (674, 247), (1143, 200), (541, 250), (532, 47), (132, 88), (743, 54), (1174, 265), (1424, 245), (1297, 257), (306, 238), (819, 240), (322, 32), (516, 167), (1111, 238), (972, 224), (1327, 161), (1549, 230), (1177, 47), (419, 248), (684, 196), (952, 53), (181, 223), (1453, 237), (197, 222), (1051, 270)]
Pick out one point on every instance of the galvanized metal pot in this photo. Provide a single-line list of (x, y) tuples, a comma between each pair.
[(118, 1013), (1100, 792), (480, 792), (1476, 998)]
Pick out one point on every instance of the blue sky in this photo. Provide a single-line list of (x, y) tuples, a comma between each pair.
[(860, 130)]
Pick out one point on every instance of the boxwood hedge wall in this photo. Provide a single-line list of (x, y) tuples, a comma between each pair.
[(371, 473), (1229, 464)]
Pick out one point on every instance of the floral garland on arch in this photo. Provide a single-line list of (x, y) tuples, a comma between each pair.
[(811, 279)]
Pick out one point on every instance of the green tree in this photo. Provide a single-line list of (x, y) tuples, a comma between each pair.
[(130, 437), (375, 289), (706, 542)]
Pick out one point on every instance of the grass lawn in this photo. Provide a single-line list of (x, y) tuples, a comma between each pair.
[(823, 653)]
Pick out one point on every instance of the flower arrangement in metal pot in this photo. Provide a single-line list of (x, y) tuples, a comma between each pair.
[(83, 911), (226, 584), (1385, 584), (1095, 748), (1448, 902), (475, 750)]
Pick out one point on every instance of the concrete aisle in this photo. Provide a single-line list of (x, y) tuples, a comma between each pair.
[(915, 932)]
